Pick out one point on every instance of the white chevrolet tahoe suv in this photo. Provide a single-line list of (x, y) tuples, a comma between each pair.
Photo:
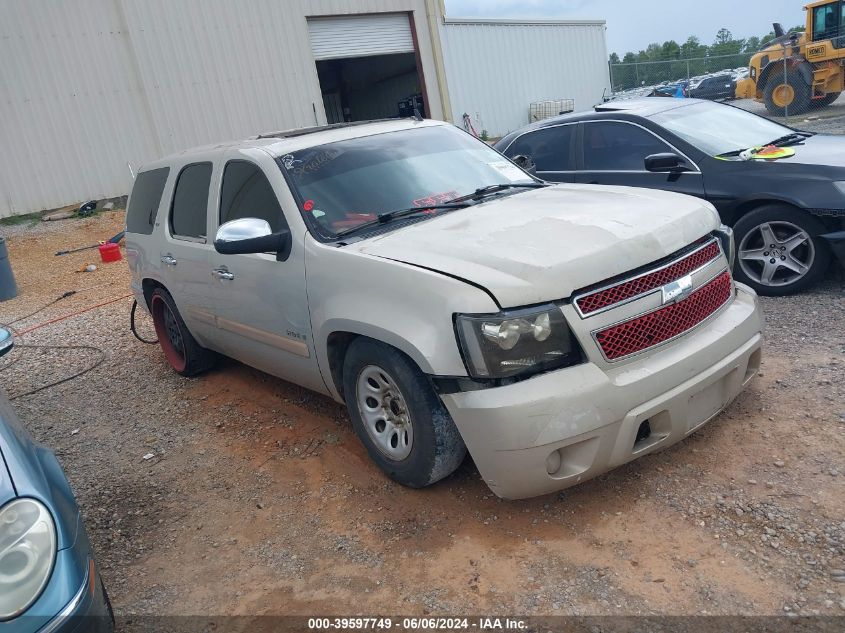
[(449, 298)]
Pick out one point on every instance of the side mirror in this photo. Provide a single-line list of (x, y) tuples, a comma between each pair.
[(252, 235), (526, 163), (665, 162), (6, 341)]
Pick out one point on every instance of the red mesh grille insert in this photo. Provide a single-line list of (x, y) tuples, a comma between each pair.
[(667, 322), (627, 289)]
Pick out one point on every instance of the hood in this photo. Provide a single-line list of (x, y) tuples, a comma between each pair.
[(30, 470), (541, 245), (821, 149)]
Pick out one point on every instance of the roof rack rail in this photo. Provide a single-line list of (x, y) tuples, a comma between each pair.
[(317, 128)]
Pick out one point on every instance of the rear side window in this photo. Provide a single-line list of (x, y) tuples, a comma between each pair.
[(549, 148), (247, 193), (189, 210), (144, 201)]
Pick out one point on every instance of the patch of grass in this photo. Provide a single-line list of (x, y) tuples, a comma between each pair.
[(26, 218)]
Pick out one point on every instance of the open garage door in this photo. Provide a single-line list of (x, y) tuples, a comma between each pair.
[(368, 66)]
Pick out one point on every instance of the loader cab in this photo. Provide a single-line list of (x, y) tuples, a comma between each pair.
[(826, 21)]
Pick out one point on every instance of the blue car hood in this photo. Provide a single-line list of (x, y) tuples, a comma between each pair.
[(30, 470)]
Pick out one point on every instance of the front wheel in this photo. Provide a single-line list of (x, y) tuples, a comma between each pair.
[(402, 423), (790, 96), (826, 100), (779, 250)]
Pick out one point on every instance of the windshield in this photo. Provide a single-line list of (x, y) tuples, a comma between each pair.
[(348, 183), (716, 129)]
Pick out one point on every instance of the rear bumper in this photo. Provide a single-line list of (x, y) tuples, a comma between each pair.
[(561, 428)]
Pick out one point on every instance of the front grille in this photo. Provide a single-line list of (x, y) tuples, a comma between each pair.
[(624, 290), (653, 328)]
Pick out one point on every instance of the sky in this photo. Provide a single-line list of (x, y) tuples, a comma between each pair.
[(634, 24)]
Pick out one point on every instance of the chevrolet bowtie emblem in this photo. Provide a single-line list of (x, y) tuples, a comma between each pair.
[(677, 290)]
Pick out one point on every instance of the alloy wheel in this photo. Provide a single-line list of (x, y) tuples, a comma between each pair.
[(776, 253)]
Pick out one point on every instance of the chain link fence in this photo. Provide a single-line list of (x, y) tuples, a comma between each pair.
[(646, 76), (778, 83)]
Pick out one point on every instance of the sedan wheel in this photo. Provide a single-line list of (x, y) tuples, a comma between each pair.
[(776, 254), (780, 250)]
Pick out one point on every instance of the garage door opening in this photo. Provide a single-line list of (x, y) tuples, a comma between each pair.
[(368, 66), (378, 87)]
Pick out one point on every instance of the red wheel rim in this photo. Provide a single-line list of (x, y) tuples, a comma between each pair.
[(169, 332)]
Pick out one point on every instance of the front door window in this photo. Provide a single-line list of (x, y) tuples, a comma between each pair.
[(614, 146)]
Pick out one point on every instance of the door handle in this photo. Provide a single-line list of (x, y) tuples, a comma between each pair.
[(168, 260), (224, 274)]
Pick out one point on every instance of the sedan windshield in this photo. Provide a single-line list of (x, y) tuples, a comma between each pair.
[(718, 129), (350, 183)]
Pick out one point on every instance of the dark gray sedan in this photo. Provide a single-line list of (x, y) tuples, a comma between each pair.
[(787, 210)]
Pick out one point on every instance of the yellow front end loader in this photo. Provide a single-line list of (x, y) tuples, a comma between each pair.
[(812, 74)]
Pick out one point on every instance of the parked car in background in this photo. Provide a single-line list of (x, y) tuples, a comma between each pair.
[(677, 90), (450, 299), (788, 214), (714, 88), (49, 581)]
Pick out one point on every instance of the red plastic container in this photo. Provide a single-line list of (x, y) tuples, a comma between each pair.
[(110, 252)]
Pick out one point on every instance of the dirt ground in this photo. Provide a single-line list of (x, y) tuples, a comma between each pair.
[(259, 499)]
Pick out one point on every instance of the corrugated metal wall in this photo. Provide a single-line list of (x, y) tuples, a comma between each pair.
[(89, 85), (496, 68)]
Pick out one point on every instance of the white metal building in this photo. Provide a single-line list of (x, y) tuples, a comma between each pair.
[(496, 68), (89, 87)]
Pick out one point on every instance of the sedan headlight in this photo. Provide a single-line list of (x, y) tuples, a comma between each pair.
[(516, 342), (27, 554), (840, 185), (726, 238)]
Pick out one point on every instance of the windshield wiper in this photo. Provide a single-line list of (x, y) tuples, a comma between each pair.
[(456, 203), (483, 192), (793, 138), (389, 216)]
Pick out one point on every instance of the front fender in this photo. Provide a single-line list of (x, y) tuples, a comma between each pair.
[(402, 305), (836, 241)]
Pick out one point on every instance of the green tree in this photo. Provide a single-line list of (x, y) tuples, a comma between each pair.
[(693, 48), (670, 50), (752, 44), (614, 58)]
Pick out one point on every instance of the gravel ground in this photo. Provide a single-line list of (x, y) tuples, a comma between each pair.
[(258, 498), (828, 120)]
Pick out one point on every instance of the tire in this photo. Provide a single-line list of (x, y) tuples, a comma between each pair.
[(185, 355), (793, 264), (107, 600), (825, 101), (389, 399), (790, 97)]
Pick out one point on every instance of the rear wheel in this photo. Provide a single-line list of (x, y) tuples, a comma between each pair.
[(185, 355), (779, 250), (826, 100), (789, 95), (397, 416)]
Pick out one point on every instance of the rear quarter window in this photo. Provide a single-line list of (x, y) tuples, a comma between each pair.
[(145, 199)]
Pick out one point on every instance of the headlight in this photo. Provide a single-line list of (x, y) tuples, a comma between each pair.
[(27, 554), (516, 342), (726, 237), (840, 184)]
